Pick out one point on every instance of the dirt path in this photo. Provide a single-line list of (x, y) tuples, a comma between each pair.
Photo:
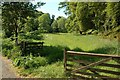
[(6, 68)]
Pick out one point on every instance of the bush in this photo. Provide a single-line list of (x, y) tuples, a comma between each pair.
[(9, 49), (4, 52), (33, 35), (7, 46), (7, 43), (41, 61), (30, 62)]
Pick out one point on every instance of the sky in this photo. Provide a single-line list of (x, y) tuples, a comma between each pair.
[(51, 7)]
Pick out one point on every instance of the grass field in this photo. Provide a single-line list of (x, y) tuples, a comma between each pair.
[(55, 44), (83, 42)]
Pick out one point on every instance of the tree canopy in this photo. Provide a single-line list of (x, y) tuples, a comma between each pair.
[(14, 15), (101, 16)]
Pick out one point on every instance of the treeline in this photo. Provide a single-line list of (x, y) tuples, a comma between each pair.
[(44, 23), (103, 17), (83, 18), (21, 20)]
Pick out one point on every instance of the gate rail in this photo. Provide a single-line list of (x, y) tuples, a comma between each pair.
[(107, 67)]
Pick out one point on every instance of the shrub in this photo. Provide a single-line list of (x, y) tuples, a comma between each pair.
[(4, 52), (29, 36), (7, 43), (7, 46), (41, 61), (30, 62)]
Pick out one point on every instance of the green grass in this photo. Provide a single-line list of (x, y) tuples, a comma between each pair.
[(83, 42), (53, 51)]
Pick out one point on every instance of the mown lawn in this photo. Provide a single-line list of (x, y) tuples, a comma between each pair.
[(53, 52)]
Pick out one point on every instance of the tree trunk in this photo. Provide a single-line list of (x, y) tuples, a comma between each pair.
[(16, 34)]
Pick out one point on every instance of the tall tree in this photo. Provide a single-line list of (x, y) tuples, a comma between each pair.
[(54, 26), (45, 23), (61, 24), (14, 13), (112, 16)]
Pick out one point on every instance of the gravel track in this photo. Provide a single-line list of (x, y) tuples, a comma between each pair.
[(6, 68)]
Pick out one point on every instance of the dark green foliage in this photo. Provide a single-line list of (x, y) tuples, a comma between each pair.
[(9, 49), (101, 16), (14, 15), (30, 62), (59, 25), (54, 26), (29, 36), (7, 46), (45, 23)]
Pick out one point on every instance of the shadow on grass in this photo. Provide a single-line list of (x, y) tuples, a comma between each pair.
[(105, 50), (55, 53), (52, 53)]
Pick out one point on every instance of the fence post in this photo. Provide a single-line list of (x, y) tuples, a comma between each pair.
[(65, 59), (22, 47), (25, 44)]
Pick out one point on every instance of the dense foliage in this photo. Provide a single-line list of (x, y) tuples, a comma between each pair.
[(14, 15), (101, 16)]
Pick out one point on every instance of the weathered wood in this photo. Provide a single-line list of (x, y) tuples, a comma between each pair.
[(39, 47), (86, 65), (81, 77), (33, 43), (92, 54), (110, 65), (65, 59), (95, 75), (26, 46), (92, 75), (106, 71), (92, 64), (68, 69), (79, 61), (69, 65)]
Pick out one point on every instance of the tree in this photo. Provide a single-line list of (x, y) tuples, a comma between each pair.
[(61, 24), (15, 13), (44, 23), (31, 24), (112, 16), (55, 26), (100, 16), (52, 20)]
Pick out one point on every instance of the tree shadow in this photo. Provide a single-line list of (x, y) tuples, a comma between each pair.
[(55, 53), (105, 50), (52, 53)]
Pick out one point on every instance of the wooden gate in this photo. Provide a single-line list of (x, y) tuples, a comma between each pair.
[(91, 66), (27, 46)]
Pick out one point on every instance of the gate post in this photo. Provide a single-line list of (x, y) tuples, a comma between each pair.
[(65, 59)]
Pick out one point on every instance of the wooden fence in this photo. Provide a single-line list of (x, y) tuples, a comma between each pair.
[(27, 46), (92, 66)]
